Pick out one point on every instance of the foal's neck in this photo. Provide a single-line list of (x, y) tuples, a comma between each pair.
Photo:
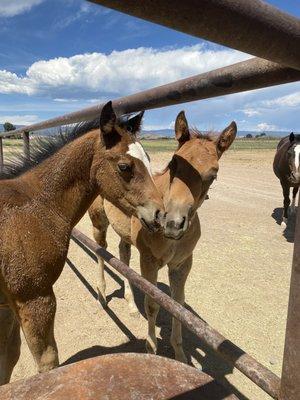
[(163, 181), (63, 183)]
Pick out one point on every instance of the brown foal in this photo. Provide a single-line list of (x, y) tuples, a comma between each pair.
[(184, 185), (41, 200)]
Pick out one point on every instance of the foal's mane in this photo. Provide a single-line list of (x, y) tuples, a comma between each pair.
[(209, 136), (44, 147)]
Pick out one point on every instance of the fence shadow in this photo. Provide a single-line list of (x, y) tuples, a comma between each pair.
[(194, 348), (289, 232)]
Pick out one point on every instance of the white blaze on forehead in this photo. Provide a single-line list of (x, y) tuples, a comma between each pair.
[(136, 150), (297, 154)]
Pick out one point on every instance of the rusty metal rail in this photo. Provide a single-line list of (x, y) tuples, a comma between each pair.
[(252, 26), (255, 73), (255, 371)]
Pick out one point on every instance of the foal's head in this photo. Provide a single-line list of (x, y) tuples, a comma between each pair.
[(293, 157), (193, 168), (123, 171)]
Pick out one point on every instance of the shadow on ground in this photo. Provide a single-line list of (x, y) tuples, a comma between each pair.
[(289, 232), (194, 348)]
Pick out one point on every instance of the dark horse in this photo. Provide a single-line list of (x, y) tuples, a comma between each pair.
[(286, 168)]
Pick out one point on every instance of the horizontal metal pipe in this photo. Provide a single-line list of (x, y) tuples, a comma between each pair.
[(253, 26), (252, 74), (255, 371)]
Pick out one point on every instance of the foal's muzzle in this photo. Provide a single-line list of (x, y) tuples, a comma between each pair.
[(151, 216), (175, 226)]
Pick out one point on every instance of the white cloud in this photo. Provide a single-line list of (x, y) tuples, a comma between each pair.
[(60, 100), (290, 100), (10, 8), (250, 112), (12, 83), (118, 73), (19, 119), (263, 126)]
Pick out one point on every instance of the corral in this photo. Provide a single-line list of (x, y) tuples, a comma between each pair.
[(256, 73), (239, 282)]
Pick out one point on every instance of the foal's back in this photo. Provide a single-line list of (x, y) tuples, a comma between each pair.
[(280, 164)]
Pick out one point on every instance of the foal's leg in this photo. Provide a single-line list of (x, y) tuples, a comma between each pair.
[(177, 277), (100, 238), (10, 342), (37, 321), (295, 191), (286, 203), (125, 254), (150, 271)]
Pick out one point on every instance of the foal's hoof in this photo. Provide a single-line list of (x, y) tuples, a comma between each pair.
[(181, 357), (150, 347), (284, 223)]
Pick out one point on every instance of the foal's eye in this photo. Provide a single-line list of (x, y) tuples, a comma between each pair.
[(129, 128), (124, 167)]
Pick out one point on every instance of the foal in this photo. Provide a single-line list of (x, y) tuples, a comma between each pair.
[(184, 185), (40, 203), (286, 167)]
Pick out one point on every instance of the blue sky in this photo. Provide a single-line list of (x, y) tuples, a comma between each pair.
[(59, 56)]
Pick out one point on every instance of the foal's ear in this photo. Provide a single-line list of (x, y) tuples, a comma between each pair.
[(292, 137), (134, 123), (182, 133), (226, 138), (107, 118)]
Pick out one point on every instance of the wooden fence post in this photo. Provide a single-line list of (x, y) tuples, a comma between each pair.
[(1, 154), (26, 144)]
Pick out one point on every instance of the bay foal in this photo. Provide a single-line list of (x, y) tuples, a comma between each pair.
[(41, 200), (184, 185), (286, 167)]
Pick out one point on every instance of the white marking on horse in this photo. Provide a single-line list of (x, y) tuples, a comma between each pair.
[(136, 150), (297, 154)]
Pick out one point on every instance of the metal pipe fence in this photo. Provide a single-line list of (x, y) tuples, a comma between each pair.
[(235, 356), (252, 74), (259, 29)]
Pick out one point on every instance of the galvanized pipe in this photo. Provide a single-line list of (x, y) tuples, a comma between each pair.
[(255, 371), (253, 26), (290, 383), (246, 75)]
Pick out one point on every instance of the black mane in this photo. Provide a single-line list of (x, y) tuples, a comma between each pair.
[(44, 147)]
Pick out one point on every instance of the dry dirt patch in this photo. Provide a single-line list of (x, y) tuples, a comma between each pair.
[(239, 281)]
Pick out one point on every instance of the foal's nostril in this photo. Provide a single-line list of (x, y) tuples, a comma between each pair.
[(176, 225), (157, 215), (182, 223)]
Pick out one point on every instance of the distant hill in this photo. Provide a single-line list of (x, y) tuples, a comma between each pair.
[(169, 133)]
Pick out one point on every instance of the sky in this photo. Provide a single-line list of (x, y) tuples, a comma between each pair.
[(58, 56)]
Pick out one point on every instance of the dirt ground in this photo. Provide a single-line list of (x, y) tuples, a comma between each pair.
[(239, 281)]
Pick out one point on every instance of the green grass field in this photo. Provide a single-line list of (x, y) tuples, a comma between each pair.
[(168, 145)]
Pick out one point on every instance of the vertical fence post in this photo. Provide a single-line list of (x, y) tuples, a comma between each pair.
[(1, 154), (290, 381), (26, 144)]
